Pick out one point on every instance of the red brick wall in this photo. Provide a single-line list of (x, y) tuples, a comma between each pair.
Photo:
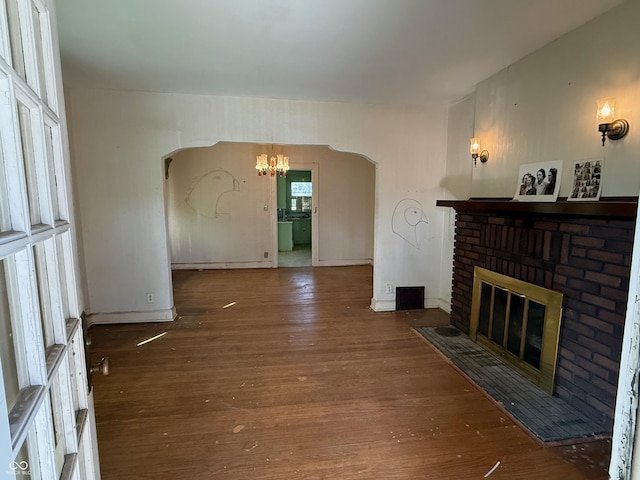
[(586, 259)]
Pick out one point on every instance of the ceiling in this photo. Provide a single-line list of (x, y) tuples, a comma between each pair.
[(407, 52)]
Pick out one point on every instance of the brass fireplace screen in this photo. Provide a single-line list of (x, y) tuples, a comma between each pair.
[(518, 321)]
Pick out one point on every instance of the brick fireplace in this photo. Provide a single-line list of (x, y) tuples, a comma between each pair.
[(580, 249)]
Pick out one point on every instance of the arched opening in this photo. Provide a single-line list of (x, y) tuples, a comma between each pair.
[(222, 214)]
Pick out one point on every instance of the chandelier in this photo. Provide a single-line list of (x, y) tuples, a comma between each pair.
[(276, 164)]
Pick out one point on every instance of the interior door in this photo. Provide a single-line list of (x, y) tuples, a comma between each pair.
[(46, 430)]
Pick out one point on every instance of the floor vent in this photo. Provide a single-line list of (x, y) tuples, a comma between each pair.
[(409, 298)]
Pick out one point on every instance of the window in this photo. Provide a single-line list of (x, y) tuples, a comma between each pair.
[(301, 193), (301, 189)]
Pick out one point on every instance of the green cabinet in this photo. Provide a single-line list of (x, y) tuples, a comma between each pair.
[(301, 231), (285, 236)]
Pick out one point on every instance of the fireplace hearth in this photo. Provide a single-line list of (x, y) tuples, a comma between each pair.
[(579, 249), (548, 418)]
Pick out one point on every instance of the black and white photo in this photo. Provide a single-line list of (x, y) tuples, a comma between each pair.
[(539, 182), (587, 180)]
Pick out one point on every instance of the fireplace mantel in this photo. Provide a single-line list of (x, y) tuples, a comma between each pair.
[(610, 207)]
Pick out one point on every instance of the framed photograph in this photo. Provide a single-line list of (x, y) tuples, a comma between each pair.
[(539, 182), (587, 180)]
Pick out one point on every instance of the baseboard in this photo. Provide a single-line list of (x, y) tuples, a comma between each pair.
[(390, 305), (383, 305), (344, 263), (167, 315), (440, 303), (221, 265)]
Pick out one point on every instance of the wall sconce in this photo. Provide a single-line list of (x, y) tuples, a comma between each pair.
[(476, 153), (610, 128)]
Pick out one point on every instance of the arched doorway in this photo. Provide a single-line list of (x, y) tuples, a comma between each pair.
[(221, 214)]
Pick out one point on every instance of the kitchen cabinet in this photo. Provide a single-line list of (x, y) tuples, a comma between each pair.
[(285, 236), (301, 231)]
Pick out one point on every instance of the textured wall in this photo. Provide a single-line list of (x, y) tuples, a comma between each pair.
[(121, 138), (543, 107)]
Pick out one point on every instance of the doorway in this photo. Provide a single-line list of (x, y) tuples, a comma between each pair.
[(295, 219)]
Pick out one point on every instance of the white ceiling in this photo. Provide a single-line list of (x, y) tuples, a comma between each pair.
[(375, 51)]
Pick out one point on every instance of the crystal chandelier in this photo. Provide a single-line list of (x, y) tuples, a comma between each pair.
[(276, 164)]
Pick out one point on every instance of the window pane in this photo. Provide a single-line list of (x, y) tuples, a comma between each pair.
[(46, 313), (15, 37), (63, 265), (4, 40), (485, 308), (7, 348), (301, 189), (516, 313), (58, 426), (34, 166), (54, 162), (37, 32), (78, 372), (499, 315), (26, 134), (535, 326), (21, 465), (5, 217)]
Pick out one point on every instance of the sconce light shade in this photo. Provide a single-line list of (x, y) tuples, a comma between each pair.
[(610, 128), (606, 110), (474, 148)]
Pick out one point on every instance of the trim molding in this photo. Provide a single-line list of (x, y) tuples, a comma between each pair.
[(221, 265), (167, 315), (390, 305), (344, 263)]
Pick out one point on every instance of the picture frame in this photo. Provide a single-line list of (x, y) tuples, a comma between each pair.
[(539, 182), (587, 180)]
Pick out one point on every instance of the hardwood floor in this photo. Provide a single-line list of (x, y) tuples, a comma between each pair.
[(300, 379)]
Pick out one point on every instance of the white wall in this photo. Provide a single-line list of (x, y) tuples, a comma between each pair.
[(221, 214), (345, 186), (456, 182), (120, 139), (215, 208), (543, 107)]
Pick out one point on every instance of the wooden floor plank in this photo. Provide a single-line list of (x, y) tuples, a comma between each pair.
[(300, 379)]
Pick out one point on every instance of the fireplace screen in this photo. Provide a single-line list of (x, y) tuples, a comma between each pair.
[(518, 321)]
